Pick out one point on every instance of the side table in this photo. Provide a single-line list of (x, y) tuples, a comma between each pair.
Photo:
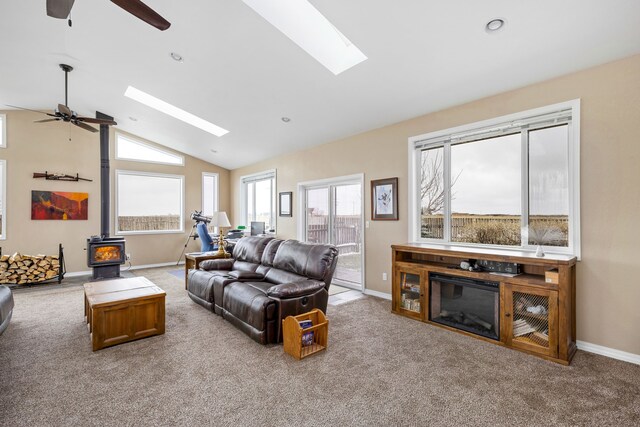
[(193, 260)]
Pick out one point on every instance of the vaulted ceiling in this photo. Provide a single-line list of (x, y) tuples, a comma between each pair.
[(244, 75)]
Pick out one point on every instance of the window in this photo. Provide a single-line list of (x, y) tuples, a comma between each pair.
[(3, 205), (259, 198), (128, 148), (3, 130), (510, 182), (209, 195), (149, 203)]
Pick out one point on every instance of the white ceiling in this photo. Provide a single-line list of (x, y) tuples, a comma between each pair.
[(242, 74)]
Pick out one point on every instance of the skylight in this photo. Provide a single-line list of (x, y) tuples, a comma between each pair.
[(310, 30), (173, 111)]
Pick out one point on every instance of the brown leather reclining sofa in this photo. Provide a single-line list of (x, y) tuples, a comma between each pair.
[(265, 281)]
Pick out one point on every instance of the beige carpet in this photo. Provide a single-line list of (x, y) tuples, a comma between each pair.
[(380, 370)]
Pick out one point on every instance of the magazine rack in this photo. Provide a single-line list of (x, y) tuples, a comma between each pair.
[(293, 334)]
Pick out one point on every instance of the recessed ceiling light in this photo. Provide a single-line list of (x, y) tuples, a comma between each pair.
[(494, 25), (286, 119), (173, 111), (310, 30), (177, 57)]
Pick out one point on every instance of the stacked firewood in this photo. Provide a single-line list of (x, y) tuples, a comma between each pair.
[(22, 269)]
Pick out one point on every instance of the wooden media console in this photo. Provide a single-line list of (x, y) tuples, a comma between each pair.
[(533, 311)]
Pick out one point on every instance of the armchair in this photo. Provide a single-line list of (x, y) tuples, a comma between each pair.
[(206, 241)]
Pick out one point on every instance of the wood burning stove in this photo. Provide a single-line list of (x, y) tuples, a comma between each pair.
[(105, 255)]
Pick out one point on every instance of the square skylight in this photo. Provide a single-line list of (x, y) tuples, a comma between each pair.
[(173, 111), (310, 30)]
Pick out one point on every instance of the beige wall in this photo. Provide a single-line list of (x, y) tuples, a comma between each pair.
[(608, 288), (60, 148)]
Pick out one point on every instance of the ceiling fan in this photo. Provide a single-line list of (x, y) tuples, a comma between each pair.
[(62, 8), (64, 113)]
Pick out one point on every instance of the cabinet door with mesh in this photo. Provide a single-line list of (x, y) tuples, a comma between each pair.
[(531, 319)]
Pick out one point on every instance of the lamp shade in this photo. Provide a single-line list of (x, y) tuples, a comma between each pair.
[(220, 219)]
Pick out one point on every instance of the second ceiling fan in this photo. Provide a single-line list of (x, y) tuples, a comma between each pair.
[(62, 8)]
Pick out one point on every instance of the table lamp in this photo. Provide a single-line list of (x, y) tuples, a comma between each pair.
[(220, 220)]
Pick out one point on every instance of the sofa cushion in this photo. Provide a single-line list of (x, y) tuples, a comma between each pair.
[(245, 266), (200, 287), (261, 286), (249, 304), (270, 252), (315, 261), (250, 249), (277, 276)]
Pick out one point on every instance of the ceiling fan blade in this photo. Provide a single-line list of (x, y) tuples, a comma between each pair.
[(45, 120), (65, 110), (59, 8), (97, 121), (144, 12), (85, 127), (29, 109)]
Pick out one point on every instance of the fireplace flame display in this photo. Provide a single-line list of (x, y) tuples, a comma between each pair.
[(107, 253)]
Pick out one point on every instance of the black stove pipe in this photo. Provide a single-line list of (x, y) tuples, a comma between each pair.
[(105, 196)]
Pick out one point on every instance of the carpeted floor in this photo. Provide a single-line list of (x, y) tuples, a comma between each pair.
[(380, 370)]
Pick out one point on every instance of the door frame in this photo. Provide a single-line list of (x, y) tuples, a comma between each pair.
[(301, 226)]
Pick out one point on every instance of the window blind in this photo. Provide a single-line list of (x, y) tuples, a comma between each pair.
[(534, 122)]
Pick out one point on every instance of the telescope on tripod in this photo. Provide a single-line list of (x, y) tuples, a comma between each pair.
[(197, 217)]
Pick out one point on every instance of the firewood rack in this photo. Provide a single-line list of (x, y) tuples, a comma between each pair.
[(62, 270)]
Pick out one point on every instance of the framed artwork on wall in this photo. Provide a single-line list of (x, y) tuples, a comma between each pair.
[(285, 203), (384, 199), (59, 205)]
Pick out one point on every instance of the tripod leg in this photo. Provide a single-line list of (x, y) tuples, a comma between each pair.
[(187, 242)]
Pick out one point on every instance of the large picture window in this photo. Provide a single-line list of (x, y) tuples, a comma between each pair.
[(259, 198), (3, 197), (149, 203), (510, 182), (3, 130), (209, 195), (129, 148)]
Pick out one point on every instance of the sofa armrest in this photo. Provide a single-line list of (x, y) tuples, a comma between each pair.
[(295, 289), (246, 275), (217, 264)]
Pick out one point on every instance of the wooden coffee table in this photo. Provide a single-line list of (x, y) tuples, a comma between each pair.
[(123, 310)]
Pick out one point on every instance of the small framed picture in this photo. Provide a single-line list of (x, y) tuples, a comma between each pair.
[(285, 203), (384, 199)]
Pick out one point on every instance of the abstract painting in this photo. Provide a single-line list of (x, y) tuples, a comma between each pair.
[(59, 205)]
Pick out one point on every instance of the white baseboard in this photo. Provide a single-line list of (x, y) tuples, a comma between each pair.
[(134, 267), (378, 294), (77, 273), (609, 352), (163, 264)]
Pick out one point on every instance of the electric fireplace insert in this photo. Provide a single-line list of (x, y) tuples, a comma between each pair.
[(467, 304)]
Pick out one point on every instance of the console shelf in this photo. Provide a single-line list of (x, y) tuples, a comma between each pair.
[(532, 315)]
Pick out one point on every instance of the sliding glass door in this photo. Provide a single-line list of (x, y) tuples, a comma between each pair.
[(333, 214)]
